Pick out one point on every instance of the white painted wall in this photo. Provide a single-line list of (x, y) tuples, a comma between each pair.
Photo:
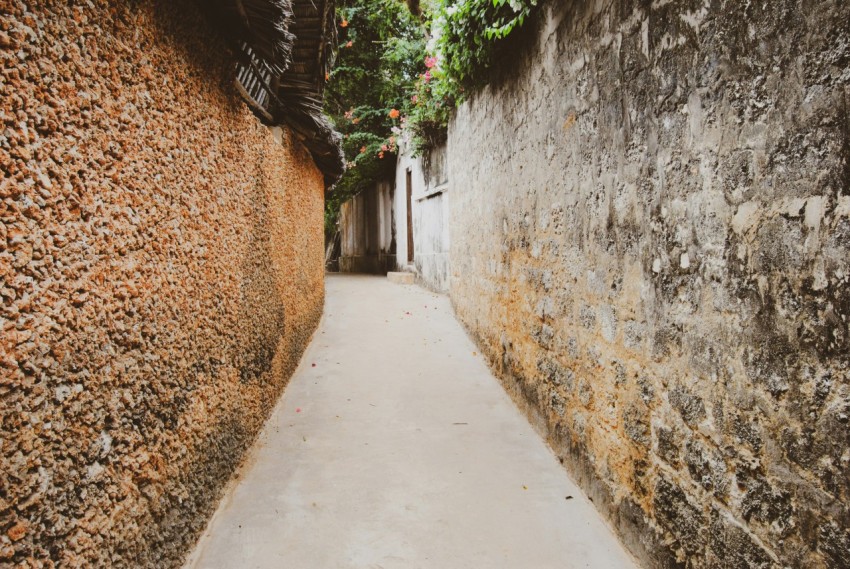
[(430, 205)]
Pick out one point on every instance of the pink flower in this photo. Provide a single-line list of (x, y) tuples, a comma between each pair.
[(414, 98), (430, 62), (384, 147), (427, 76)]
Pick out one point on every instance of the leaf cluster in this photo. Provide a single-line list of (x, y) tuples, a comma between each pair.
[(468, 37), (380, 46), (470, 33), (399, 67)]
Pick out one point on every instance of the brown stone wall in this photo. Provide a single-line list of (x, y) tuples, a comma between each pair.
[(160, 276), (650, 239)]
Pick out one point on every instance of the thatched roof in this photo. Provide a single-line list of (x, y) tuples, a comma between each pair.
[(285, 50)]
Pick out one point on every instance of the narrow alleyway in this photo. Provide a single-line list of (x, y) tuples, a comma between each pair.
[(395, 447)]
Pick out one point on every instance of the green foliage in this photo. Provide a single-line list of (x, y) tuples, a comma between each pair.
[(391, 74), (468, 35), (428, 111), (380, 48), (470, 32)]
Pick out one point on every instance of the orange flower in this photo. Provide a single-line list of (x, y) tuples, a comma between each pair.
[(362, 149), (355, 120), (343, 24), (349, 44), (394, 114), (381, 155)]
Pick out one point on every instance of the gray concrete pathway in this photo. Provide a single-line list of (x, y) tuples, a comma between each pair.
[(395, 448)]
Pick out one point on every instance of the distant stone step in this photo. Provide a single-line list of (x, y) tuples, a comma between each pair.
[(400, 278)]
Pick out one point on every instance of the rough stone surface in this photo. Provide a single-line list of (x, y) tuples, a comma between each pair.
[(160, 275), (651, 218)]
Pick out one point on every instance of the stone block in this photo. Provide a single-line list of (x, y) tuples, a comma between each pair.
[(401, 278)]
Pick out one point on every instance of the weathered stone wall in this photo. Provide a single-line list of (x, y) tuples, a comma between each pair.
[(160, 275), (651, 240)]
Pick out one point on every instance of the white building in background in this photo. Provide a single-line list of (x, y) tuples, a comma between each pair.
[(421, 216), (401, 225), (367, 237)]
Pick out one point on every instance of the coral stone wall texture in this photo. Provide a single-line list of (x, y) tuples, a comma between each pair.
[(660, 197), (160, 275)]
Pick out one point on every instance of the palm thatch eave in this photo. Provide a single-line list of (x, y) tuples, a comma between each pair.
[(284, 51)]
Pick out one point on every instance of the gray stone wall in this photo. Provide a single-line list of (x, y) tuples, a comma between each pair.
[(651, 241)]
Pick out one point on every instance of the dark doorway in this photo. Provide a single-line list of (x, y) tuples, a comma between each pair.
[(409, 217)]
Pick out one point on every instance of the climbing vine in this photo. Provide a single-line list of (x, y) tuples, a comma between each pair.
[(467, 40), (380, 46), (407, 67), (470, 33)]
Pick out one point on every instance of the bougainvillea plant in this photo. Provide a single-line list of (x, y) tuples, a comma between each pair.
[(380, 46), (407, 68), (467, 38)]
